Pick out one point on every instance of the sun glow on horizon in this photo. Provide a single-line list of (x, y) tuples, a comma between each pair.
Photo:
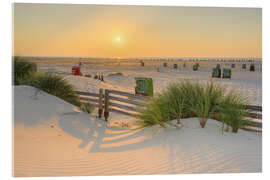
[(132, 31)]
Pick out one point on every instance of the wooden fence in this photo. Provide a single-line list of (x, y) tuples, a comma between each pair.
[(126, 103), (113, 101)]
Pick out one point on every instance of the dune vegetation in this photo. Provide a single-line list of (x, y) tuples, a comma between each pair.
[(116, 74), (22, 70), (193, 99), (25, 73)]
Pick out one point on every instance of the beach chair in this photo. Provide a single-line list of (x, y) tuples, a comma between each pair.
[(144, 86), (165, 64), (175, 66), (216, 73), (252, 67), (226, 73), (195, 67), (76, 71)]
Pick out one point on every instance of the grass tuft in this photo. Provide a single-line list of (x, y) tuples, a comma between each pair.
[(188, 99), (233, 111), (116, 74), (55, 85), (22, 70), (87, 107)]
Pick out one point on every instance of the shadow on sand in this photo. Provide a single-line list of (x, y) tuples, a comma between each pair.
[(104, 138)]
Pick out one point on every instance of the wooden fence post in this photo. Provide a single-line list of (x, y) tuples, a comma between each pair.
[(100, 105), (106, 105)]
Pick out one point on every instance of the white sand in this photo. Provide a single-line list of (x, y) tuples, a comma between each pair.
[(52, 138), (247, 83)]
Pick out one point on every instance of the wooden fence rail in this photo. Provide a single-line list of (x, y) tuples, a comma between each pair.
[(126, 103)]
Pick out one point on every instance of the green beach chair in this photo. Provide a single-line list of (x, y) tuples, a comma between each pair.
[(195, 67), (144, 86), (226, 73), (216, 73)]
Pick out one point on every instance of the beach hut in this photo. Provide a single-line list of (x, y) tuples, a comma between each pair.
[(226, 73), (233, 65), (252, 67), (165, 64), (76, 71), (144, 86), (244, 66), (175, 66), (216, 73)]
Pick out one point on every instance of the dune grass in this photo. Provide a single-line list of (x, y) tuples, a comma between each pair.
[(116, 74), (25, 73), (55, 85), (22, 70), (205, 100), (58, 86), (193, 99), (232, 111), (164, 107), (155, 112), (87, 107)]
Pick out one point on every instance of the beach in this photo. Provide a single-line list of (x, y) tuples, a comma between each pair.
[(242, 80), (55, 138)]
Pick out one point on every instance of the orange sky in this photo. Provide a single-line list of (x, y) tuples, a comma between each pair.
[(142, 31)]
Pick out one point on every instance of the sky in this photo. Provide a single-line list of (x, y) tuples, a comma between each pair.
[(136, 31)]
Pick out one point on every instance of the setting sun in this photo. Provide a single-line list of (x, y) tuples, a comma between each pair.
[(118, 39)]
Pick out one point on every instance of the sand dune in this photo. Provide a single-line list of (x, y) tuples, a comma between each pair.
[(52, 138)]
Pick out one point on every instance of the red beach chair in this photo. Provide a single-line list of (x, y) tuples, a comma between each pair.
[(76, 71)]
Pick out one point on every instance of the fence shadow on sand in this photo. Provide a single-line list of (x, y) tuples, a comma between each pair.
[(102, 137)]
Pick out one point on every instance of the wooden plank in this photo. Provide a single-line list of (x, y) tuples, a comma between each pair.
[(122, 112), (253, 123), (126, 100), (254, 115), (128, 95), (252, 129), (89, 99), (106, 105), (121, 106), (87, 94), (100, 107), (255, 108)]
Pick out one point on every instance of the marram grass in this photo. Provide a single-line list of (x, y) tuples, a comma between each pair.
[(194, 99), (55, 85), (22, 70), (25, 73)]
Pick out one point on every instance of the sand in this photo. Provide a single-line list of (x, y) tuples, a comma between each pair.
[(249, 84), (54, 138)]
